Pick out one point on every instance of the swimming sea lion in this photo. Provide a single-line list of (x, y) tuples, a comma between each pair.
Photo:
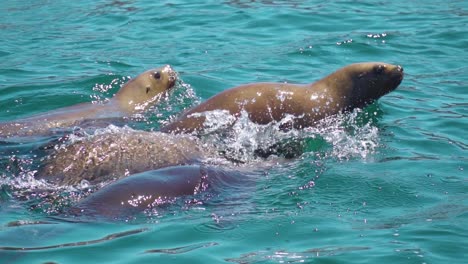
[(135, 96), (146, 190), (114, 155), (151, 189), (353, 86)]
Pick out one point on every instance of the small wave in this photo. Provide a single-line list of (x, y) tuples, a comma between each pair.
[(283, 256), (183, 249), (79, 243)]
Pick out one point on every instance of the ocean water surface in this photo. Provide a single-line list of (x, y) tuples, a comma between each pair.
[(384, 184)]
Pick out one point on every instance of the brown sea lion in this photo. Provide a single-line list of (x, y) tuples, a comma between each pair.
[(350, 87), (107, 156), (152, 189), (146, 190), (135, 96)]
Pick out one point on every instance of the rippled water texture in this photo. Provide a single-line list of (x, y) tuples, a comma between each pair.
[(387, 184)]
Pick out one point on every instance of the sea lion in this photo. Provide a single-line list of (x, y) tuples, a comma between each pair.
[(109, 156), (353, 86), (135, 96), (152, 189), (141, 191)]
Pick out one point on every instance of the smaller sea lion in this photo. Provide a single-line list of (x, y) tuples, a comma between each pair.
[(350, 87), (135, 96), (109, 156)]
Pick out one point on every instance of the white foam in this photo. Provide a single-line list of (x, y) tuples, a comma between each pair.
[(215, 120), (182, 97), (347, 138)]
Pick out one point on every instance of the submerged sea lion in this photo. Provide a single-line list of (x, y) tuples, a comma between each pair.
[(109, 156), (135, 96), (151, 189), (353, 86), (142, 191)]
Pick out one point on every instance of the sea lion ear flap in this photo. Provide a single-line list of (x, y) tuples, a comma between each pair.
[(148, 89)]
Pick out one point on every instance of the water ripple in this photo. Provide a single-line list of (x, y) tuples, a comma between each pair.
[(77, 244), (181, 250)]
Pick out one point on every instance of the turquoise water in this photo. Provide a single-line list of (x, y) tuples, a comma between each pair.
[(391, 187)]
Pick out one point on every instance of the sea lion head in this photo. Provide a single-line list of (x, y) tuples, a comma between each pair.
[(359, 84), (146, 89), (372, 80)]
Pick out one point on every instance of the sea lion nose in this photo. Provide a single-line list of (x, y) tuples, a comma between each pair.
[(399, 68), (171, 73)]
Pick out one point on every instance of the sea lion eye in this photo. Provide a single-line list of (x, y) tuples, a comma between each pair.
[(379, 69), (157, 75)]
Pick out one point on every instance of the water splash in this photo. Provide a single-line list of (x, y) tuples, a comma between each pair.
[(344, 136), (103, 91), (347, 136), (170, 106), (18, 180), (39, 195)]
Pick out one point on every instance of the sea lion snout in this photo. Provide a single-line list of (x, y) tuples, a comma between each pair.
[(388, 74), (388, 82), (398, 73), (400, 68), (401, 71), (171, 74)]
